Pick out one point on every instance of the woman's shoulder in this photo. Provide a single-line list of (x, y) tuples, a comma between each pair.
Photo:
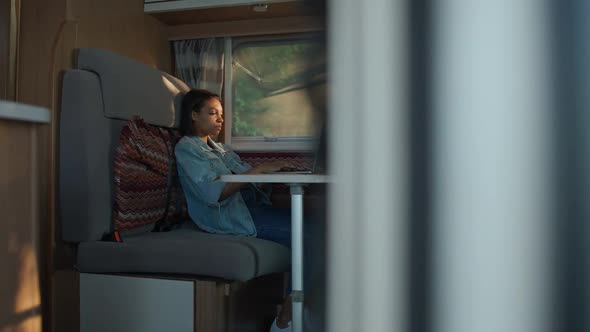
[(183, 144), (187, 145), (188, 142), (191, 148), (183, 141)]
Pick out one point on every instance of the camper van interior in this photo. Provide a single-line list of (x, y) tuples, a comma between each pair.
[(441, 150), (110, 244)]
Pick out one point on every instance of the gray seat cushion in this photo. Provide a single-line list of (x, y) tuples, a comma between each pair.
[(186, 251)]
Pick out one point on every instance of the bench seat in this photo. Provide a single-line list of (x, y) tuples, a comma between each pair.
[(185, 251), (98, 98)]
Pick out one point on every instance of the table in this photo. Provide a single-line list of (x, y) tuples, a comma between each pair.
[(296, 183)]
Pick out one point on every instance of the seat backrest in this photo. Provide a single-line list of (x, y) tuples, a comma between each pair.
[(98, 98)]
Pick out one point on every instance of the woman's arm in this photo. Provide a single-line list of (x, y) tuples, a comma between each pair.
[(233, 187)]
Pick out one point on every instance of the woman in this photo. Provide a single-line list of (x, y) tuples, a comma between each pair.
[(215, 206)]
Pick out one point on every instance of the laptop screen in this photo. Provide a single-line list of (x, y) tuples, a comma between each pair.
[(319, 159)]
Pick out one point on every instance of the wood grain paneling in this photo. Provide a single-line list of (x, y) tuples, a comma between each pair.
[(237, 306), (210, 306), (235, 13), (67, 308), (9, 24), (39, 23), (253, 305), (19, 284), (4, 46), (122, 27), (246, 28)]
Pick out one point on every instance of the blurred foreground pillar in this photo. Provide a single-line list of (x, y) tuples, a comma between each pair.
[(492, 146), (368, 114)]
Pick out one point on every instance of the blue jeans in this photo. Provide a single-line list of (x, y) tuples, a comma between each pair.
[(273, 224)]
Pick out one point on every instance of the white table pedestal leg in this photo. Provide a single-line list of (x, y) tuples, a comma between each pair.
[(297, 256)]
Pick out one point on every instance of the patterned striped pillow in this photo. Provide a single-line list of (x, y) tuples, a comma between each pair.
[(144, 169)]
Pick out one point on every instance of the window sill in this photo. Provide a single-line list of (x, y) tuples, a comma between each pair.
[(259, 146)]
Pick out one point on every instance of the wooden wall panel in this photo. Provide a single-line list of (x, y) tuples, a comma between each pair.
[(9, 23), (19, 285), (39, 23), (4, 46), (121, 26)]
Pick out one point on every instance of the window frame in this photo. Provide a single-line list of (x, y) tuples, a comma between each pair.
[(259, 143)]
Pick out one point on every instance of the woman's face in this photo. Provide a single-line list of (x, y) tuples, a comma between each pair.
[(209, 119)]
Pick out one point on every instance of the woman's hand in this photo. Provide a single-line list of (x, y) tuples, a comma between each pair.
[(270, 167), (232, 187)]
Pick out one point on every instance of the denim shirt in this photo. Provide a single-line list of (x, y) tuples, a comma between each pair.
[(199, 167)]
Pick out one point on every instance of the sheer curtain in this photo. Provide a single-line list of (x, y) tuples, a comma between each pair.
[(199, 62)]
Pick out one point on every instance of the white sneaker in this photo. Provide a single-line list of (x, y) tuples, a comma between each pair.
[(275, 328)]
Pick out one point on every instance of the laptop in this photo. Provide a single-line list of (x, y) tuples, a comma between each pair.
[(319, 159), (293, 170)]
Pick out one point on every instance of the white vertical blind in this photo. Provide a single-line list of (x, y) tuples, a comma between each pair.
[(368, 154), (491, 145)]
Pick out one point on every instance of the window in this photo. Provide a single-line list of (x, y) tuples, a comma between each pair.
[(275, 90)]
